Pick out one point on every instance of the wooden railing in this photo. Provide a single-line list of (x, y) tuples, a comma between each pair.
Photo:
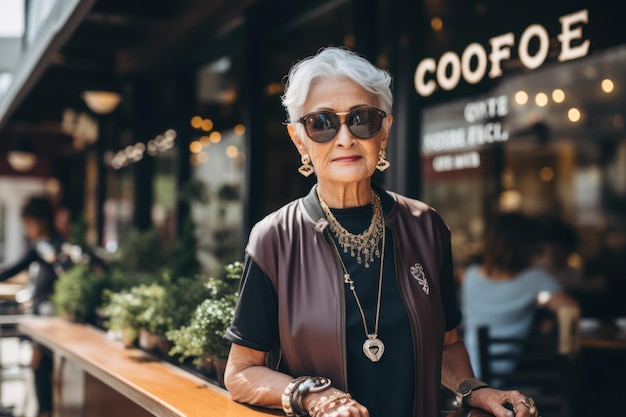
[(95, 376)]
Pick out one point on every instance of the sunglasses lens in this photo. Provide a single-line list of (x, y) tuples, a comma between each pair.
[(321, 127), (365, 123)]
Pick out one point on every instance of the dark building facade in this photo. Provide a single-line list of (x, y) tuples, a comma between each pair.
[(498, 106)]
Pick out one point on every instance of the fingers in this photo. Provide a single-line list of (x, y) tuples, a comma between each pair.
[(526, 406), (341, 405), (505, 403)]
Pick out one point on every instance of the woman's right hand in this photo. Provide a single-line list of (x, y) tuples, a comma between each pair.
[(333, 403)]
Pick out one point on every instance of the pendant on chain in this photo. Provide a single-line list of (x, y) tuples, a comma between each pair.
[(373, 348)]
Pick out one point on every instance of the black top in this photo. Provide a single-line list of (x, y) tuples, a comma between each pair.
[(42, 278), (385, 387)]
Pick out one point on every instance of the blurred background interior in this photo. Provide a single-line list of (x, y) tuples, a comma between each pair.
[(145, 114)]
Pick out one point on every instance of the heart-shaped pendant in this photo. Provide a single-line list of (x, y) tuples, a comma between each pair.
[(373, 349)]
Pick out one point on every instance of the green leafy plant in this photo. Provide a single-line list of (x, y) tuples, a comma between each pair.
[(182, 296), (142, 252), (133, 308), (184, 260), (78, 292), (203, 336)]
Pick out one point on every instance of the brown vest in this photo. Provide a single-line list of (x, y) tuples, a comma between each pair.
[(290, 248)]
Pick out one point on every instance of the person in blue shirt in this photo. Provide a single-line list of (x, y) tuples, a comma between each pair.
[(505, 291)]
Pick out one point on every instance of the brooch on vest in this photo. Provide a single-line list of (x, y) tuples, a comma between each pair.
[(417, 271)]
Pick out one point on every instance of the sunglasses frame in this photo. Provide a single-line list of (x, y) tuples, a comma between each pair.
[(338, 115)]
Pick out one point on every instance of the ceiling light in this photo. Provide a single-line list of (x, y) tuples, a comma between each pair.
[(22, 158), (102, 102)]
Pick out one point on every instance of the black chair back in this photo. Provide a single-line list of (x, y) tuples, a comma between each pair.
[(540, 371)]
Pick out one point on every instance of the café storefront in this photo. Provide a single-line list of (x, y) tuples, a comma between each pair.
[(545, 137), (497, 107)]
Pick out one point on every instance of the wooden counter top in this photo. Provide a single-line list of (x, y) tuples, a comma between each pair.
[(157, 386)]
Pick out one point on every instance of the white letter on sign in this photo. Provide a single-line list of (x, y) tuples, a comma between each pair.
[(532, 62), (498, 53), (477, 50), (425, 88), (448, 59), (568, 34)]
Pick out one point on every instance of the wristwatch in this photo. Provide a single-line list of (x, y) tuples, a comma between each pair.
[(465, 389), (311, 384), (298, 388)]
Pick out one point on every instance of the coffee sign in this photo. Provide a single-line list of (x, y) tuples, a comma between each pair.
[(473, 63)]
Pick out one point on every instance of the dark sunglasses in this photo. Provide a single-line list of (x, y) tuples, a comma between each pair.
[(362, 122)]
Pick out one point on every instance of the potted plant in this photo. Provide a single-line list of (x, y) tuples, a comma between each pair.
[(202, 339), (141, 253), (180, 298), (78, 292), (151, 324), (130, 310)]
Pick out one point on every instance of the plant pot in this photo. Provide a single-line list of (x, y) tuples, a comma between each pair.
[(148, 340), (128, 336), (205, 366), (164, 345), (220, 368)]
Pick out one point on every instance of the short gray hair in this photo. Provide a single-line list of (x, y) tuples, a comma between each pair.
[(334, 62)]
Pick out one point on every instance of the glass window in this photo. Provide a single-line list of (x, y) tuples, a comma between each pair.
[(217, 155), (548, 143), (118, 208), (164, 205)]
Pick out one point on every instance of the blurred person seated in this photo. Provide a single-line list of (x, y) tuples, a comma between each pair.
[(505, 291), (556, 245)]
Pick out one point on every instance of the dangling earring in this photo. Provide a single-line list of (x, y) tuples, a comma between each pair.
[(306, 168), (382, 163)]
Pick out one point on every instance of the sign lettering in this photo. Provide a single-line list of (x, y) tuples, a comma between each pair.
[(446, 73)]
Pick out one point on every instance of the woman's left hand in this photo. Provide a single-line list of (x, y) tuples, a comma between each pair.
[(494, 401)]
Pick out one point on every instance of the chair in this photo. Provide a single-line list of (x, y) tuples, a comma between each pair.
[(541, 372)]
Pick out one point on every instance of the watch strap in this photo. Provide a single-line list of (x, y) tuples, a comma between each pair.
[(312, 384), (466, 388), (291, 398)]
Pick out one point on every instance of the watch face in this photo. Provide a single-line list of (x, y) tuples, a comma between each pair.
[(319, 383), (468, 385), (465, 387)]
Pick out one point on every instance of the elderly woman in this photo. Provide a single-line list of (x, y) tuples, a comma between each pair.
[(347, 302)]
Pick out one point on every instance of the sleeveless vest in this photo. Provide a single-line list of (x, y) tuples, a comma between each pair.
[(290, 247)]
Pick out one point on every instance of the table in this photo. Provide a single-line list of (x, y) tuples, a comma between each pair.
[(595, 334), (602, 360), (9, 290)]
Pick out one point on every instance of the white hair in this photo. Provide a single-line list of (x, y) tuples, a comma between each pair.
[(334, 62)]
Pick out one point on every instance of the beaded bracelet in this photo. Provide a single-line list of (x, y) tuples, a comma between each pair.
[(330, 401), (286, 397)]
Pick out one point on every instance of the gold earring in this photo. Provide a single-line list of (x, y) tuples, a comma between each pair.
[(382, 163), (306, 168)]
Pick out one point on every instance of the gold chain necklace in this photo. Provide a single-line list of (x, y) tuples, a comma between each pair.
[(373, 347), (365, 243)]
